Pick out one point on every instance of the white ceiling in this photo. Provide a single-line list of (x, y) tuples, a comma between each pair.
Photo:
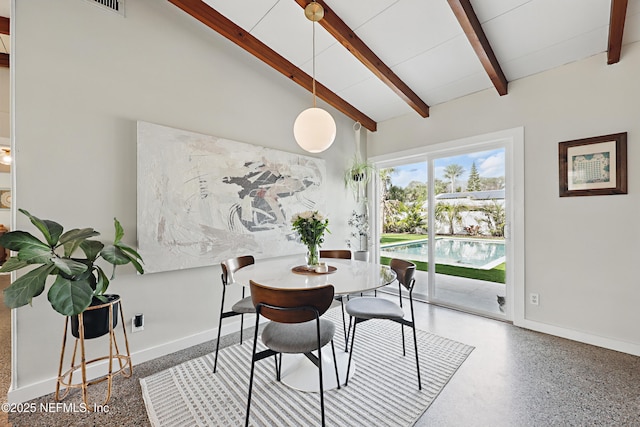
[(423, 43)]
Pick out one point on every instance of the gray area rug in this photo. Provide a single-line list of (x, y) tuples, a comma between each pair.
[(383, 391)]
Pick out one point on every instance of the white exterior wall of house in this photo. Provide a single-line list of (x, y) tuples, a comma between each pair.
[(580, 252), (83, 77), (468, 218)]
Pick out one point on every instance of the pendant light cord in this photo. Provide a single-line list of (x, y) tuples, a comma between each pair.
[(313, 63)]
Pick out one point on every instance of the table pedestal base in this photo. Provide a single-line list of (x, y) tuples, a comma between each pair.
[(300, 373)]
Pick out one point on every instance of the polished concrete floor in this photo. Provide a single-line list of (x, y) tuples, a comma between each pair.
[(474, 295), (516, 377), (513, 377)]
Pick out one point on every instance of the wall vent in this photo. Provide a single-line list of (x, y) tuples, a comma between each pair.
[(116, 6)]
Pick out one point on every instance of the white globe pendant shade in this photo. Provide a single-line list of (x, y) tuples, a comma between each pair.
[(314, 130)]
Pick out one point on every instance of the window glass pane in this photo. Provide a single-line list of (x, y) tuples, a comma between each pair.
[(403, 213), (469, 246)]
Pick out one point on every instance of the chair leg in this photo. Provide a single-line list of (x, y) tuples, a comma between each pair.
[(215, 359), (335, 363), (241, 320), (404, 352), (320, 378), (348, 332), (275, 359), (353, 338), (344, 325), (253, 364), (415, 343)]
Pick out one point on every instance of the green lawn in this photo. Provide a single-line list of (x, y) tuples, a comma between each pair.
[(400, 237), (496, 274)]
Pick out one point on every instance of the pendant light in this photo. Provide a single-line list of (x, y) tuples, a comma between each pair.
[(5, 155), (314, 128)]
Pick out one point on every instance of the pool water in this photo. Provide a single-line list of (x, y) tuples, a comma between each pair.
[(482, 254)]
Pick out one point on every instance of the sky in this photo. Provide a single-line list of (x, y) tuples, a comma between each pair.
[(489, 164)]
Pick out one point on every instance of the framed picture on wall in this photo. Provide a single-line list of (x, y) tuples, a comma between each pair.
[(5, 198), (593, 166)]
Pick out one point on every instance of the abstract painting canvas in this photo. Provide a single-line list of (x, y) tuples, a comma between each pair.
[(203, 199)]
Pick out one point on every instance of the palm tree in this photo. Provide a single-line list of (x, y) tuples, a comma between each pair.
[(450, 213), (388, 206), (495, 218), (385, 179), (414, 217), (451, 172)]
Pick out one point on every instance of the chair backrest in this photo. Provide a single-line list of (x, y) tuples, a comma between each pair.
[(232, 265), (404, 271), (291, 305), (335, 253)]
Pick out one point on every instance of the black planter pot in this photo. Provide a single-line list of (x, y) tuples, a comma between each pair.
[(358, 177), (96, 318)]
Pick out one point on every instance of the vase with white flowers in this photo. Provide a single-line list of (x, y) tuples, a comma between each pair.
[(311, 226)]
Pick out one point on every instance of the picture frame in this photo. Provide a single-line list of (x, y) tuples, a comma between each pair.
[(593, 166), (5, 198)]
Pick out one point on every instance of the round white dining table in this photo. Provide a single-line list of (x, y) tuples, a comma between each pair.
[(349, 277)]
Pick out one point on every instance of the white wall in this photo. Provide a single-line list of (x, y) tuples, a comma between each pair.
[(84, 76), (580, 252), (5, 176)]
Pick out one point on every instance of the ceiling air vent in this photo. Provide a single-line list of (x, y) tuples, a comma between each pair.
[(116, 6)]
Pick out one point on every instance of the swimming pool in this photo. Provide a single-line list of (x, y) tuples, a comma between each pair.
[(471, 253)]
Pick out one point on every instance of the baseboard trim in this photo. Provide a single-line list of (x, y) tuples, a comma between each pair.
[(42, 388), (48, 386), (608, 343)]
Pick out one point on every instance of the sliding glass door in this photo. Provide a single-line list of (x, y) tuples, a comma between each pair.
[(467, 236), (449, 211)]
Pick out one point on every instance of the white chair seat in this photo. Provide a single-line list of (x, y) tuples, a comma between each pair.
[(245, 305), (373, 308), (297, 337)]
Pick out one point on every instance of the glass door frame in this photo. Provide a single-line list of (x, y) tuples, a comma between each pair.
[(512, 140)]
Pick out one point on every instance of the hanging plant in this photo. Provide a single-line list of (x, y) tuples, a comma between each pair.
[(358, 175)]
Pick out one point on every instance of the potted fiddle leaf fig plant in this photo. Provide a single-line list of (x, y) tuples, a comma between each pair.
[(71, 257)]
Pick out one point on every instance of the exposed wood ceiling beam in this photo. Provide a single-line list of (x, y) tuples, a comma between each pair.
[(219, 23), (4, 29), (473, 29), (616, 30), (4, 25), (345, 35)]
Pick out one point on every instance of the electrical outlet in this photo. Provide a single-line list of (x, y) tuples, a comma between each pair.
[(137, 323), (534, 299)]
